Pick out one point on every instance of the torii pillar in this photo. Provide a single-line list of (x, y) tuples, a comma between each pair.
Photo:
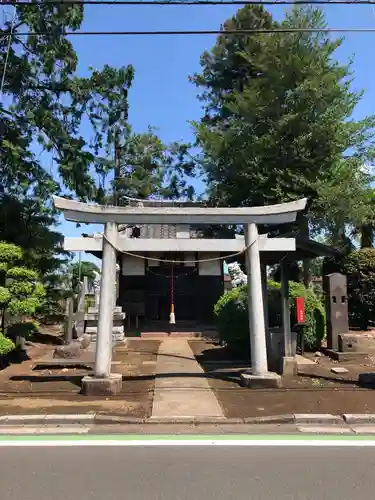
[(103, 381)]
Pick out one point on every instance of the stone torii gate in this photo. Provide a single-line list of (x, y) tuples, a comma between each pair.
[(105, 382)]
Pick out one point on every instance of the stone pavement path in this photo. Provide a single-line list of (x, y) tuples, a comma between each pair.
[(181, 390)]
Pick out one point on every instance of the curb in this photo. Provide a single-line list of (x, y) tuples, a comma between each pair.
[(104, 419), (88, 418), (359, 418), (324, 418)]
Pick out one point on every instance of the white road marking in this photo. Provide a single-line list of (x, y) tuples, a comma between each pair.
[(193, 442)]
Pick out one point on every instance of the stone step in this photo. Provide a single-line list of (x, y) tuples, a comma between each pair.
[(116, 337), (94, 329), (95, 316), (116, 323), (181, 335), (95, 310)]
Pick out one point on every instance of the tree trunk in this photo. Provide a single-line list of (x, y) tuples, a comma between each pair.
[(367, 235), (305, 233), (117, 170), (307, 277)]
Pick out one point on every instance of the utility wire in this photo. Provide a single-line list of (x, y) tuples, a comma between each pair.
[(187, 2), (2, 83), (197, 32)]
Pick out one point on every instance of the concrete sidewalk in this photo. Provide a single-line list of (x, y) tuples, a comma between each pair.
[(181, 390)]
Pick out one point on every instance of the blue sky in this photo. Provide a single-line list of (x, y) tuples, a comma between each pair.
[(161, 95)]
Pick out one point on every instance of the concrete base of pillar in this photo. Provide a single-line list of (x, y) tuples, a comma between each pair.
[(268, 380), (289, 366), (95, 386)]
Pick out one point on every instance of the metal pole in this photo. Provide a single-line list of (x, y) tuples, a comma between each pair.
[(172, 317), (259, 365), (285, 312), (265, 297), (105, 321)]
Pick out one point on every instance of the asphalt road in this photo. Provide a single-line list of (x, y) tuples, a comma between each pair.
[(187, 473)]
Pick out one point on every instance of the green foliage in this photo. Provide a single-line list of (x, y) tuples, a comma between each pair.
[(26, 329), (46, 103), (278, 120), (39, 291), (9, 254), (6, 345), (27, 223), (22, 293), (50, 103), (23, 307), (21, 273), (21, 288), (150, 168), (83, 268), (5, 296), (231, 313), (314, 329), (232, 319), (359, 266)]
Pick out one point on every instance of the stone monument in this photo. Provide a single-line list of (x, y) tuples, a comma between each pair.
[(336, 302), (93, 312), (96, 287), (343, 344)]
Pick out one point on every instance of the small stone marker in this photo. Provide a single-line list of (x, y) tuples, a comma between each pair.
[(339, 370)]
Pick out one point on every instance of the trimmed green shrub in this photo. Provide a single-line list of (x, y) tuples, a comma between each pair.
[(231, 313), (25, 329), (359, 266), (232, 319), (18, 273), (6, 345), (20, 292), (5, 296), (9, 253)]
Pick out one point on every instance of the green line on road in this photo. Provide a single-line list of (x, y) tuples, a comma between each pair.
[(160, 437)]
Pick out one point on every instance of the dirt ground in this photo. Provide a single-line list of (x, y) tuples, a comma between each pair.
[(26, 388), (314, 390)]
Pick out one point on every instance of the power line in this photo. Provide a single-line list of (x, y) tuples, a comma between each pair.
[(196, 32), (187, 2), (7, 53)]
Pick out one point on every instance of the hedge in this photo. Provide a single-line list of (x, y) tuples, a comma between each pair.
[(359, 266), (232, 319), (6, 345), (231, 313)]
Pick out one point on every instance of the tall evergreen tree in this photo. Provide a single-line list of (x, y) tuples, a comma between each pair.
[(278, 119)]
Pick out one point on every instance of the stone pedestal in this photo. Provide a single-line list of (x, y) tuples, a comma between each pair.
[(118, 331), (276, 350), (269, 380), (353, 346), (289, 366), (107, 386)]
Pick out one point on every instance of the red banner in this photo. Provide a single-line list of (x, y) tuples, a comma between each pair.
[(300, 310)]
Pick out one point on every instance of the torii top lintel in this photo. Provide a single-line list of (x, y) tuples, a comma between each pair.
[(76, 211)]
